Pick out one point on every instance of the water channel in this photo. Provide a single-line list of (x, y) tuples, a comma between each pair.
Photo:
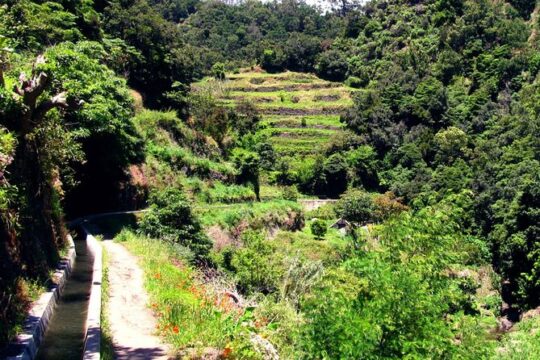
[(64, 338)]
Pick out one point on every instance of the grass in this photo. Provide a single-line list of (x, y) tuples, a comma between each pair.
[(300, 112), (302, 244), (179, 157), (190, 316), (295, 146), (228, 194), (256, 215), (523, 342), (296, 121), (323, 134), (107, 350)]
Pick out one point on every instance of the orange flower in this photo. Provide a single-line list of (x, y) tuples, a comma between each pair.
[(176, 329), (157, 276), (227, 352)]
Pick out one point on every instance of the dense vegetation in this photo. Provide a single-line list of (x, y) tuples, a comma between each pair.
[(420, 118)]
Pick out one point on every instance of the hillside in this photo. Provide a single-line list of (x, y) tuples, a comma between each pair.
[(208, 125), (300, 112)]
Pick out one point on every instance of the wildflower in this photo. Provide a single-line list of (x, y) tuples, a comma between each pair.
[(227, 352), (176, 329), (157, 276)]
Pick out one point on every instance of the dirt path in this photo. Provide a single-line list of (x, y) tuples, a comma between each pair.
[(132, 323)]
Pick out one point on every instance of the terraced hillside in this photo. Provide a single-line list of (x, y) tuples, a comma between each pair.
[(300, 112)]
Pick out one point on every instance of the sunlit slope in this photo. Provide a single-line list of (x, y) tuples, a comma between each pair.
[(300, 112)]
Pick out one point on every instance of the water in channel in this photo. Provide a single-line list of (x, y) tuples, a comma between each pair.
[(64, 338)]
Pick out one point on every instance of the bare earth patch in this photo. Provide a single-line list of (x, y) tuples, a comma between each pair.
[(132, 324)]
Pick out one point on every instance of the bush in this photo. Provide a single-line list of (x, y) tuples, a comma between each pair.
[(171, 219), (218, 70), (356, 205), (332, 65), (386, 206), (255, 265), (318, 229), (290, 193), (355, 82), (273, 60), (335, 174), (284, 175)]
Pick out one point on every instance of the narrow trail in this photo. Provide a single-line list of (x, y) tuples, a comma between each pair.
[(132, 324)]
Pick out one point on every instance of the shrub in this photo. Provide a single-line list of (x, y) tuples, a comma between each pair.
[(354, 82), (318, 229), (283, 175), (356, 205), (248, 165), (273, 60), (218, 70), (386, 206), (332, 65), (335, 174), (255, 265), (171, 219), (290, 193), (325, 212)]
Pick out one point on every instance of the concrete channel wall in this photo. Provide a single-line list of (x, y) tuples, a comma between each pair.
[(26, 344), (313, 204), (92, 341)]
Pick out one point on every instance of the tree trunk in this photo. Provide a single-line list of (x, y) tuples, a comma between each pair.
[(40, 226)]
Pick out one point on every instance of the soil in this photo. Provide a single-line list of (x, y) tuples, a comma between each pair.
[(288, 111), (132, 324), (327, 97), (295, 87)]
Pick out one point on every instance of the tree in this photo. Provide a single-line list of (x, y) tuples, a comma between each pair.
[(332, 65), (29, 114), (218, 70), (451, 144), (273, 60), (386, 206), (525, 7), (164, 59), (356, 205), (318, 228), (336, 175), (4, 51), (246, 118), (301, 51), (248, 164), (66, 85), (364, 164)]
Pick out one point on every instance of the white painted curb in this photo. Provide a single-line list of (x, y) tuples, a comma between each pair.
[(92, 342), (37, 321)]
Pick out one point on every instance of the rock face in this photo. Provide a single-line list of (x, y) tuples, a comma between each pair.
[(531, 314), (504, 324), (264, 347)]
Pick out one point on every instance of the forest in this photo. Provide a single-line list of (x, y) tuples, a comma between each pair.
[(348, 180)]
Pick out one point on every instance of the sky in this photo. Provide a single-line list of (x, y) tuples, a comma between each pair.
[(324, 4)]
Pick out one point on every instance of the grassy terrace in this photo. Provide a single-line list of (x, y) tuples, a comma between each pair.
[(300, 112), (308, 121)]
